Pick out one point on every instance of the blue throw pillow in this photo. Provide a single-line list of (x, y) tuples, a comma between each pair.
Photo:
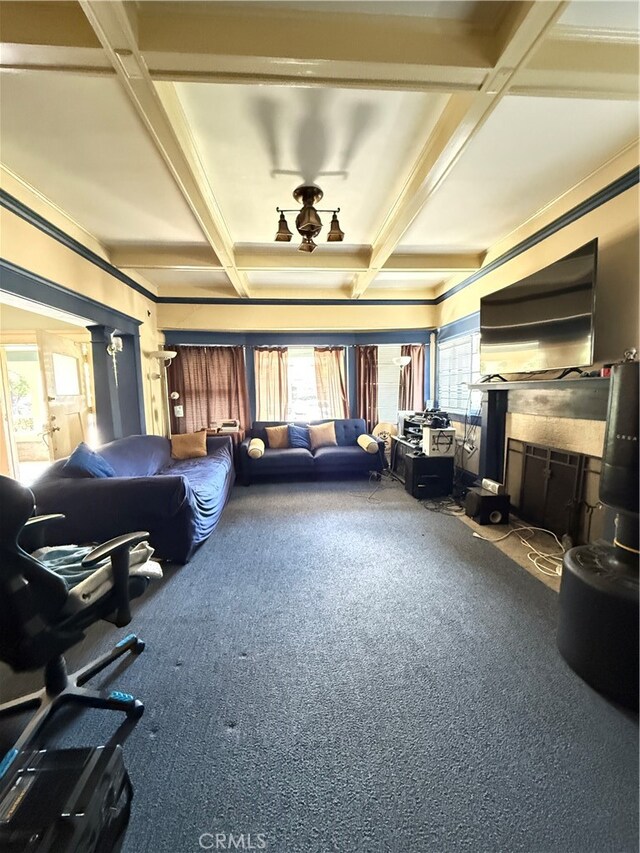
[(85, 462), (299, 437)]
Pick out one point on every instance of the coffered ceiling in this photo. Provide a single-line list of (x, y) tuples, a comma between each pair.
[(170, 131)]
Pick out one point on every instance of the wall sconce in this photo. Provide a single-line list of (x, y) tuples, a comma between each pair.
[(115, 344), (114, 347)]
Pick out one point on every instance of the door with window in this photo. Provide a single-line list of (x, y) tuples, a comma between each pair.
[(67, 408)]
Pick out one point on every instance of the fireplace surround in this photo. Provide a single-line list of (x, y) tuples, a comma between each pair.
[(543, 439)]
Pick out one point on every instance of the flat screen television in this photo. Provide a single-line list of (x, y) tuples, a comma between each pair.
[(543, 322)]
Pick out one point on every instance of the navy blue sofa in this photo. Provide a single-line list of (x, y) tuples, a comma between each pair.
[(344, 459), (178, 501)]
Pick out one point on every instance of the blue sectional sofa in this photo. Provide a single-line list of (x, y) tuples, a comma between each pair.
[(344, 459), (178, 501)]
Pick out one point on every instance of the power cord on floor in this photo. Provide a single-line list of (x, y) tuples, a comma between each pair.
[(377, 483), (546, 564)]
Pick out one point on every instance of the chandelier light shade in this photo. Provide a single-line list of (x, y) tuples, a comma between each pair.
[(336, 234), (283, 234), (308, 222)]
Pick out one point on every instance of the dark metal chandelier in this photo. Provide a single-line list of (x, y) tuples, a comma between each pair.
[(308, 223)]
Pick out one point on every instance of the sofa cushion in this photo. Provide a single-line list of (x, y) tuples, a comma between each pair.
[(322, 435), (299, 436), (278, 436), (190, 445), (283, 460), (85, 462), (345, 459)]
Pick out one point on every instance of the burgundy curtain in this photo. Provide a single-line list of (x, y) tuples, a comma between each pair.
[(367, 380), (411, 397), (272, 383), (331, 384), (212, 385)]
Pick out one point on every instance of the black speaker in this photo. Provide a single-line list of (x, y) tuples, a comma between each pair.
[(428, 476), (485, 507)]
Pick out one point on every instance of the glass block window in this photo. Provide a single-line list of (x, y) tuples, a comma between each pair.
[(458, 366)]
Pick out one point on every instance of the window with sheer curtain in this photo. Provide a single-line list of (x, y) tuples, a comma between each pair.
[(316, 383), (388, 381)]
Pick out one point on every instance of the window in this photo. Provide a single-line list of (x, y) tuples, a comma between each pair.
[(303, 404), (459, 365), (65, 374), (388, 382)]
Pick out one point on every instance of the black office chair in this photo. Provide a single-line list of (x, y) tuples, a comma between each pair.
[(40, 617)]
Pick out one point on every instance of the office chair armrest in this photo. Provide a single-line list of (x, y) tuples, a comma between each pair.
[(118, 550), (32, 535)]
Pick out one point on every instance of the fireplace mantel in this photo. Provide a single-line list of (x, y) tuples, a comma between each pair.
[(593, 383), (581, 399)]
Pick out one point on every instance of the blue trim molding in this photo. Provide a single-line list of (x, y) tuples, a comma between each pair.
[(462, 326), (15, 206), (36, 288), (258, 339), (348, 303)]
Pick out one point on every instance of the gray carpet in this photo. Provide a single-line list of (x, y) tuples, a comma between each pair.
[(342, 675)]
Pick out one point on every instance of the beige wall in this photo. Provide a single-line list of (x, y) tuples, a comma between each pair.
[(32, 249), (615, 224), (254, 318)]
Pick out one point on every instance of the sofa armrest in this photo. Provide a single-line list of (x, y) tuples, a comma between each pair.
[(96, 510), (244, 461), (215, 442)]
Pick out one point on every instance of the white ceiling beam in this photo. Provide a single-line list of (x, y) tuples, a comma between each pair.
[(575, 68), (442, 262), (114, 23), (262, 43), (47, 36), (465, 114), (164, 257), (294, 47), (258, 259)]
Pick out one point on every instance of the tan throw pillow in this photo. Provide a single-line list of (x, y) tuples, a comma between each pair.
[(278, 436), (322, 435), (189, 446)]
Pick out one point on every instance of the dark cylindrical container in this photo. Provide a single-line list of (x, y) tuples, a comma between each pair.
[(619, 479)]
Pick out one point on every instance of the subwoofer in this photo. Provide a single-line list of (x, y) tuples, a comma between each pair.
[(486, 508)]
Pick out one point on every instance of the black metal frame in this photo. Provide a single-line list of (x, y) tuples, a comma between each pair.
[(551, 456), (61, 688)]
